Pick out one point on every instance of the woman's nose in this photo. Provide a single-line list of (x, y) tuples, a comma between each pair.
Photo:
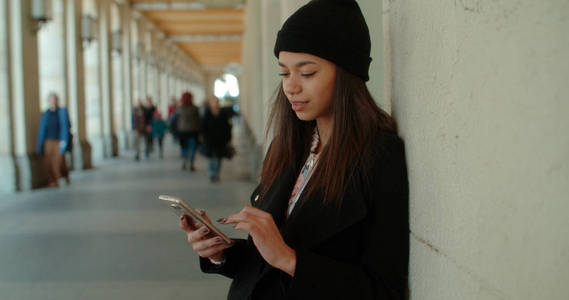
[(291, 86)]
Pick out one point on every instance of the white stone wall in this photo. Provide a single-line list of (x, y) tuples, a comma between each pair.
[(480, 93)]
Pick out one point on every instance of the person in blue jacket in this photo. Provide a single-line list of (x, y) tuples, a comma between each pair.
[(53, 140)]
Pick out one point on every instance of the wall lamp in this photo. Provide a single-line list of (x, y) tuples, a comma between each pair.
[(41, 12), (138, 50), (88, 29), (116, 41)]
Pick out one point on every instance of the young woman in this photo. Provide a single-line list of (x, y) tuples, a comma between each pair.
[(329, 219)]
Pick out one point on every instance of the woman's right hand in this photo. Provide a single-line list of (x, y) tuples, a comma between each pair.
[(204, 243)]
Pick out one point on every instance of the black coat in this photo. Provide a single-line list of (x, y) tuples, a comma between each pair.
[(359, 251), (216, 132)]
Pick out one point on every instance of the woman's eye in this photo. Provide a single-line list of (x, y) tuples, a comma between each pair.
[(283, 74), (308, 74)]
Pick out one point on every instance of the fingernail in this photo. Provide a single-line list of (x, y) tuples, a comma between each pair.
[(205, 230), (202, 212), (182, 218), (218, 240), (222, 220)]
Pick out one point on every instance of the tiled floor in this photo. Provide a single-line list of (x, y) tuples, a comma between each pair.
[(107, 236)]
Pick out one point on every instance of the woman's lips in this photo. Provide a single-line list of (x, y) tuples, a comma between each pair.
[(298, 105)]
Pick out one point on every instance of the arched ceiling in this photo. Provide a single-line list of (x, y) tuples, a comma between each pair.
[(210, 31)]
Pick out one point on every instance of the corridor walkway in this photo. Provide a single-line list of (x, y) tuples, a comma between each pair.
[(107, 236)]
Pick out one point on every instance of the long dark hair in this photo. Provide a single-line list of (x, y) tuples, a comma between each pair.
[(357, 119)]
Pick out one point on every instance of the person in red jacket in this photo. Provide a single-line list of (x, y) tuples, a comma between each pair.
[(329, 219)]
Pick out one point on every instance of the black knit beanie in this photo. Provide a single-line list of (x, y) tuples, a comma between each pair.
[(331, 29)]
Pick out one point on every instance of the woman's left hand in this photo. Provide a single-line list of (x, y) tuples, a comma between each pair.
[(266, 237)]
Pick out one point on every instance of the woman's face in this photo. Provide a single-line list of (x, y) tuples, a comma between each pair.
[(308, 83)]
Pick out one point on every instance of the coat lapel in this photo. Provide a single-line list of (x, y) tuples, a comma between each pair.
[(276, 199), (312, 222)]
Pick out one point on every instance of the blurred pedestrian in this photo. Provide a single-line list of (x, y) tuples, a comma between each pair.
[(53, 140), (138, 127), (172, 118), (172, 108), (159, 129), (149, 109), (187, 127), (216, 132)]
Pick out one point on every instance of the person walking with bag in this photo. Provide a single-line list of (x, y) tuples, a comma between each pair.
[(329, 219), (53, 141), (188, 125)]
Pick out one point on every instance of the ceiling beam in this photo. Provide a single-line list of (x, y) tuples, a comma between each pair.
[(206, 37), (169, 6), (172, 5)]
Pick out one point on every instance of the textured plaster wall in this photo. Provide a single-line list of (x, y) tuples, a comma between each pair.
[(480, 90)]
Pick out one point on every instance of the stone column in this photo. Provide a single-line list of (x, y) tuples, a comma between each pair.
[(135, 61), (127, 71), (171, 84), (117, 64), (166, 88), (151, 58), (118, 96), (142, 60), (7, 166), (52, 53), (164, 99), (155, 39), (93, 113), (24, 96), (179, 88), (109, 131), (81, 156), (270, 20)]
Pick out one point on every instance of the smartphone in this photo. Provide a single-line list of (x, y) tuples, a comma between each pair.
[(181, 207)]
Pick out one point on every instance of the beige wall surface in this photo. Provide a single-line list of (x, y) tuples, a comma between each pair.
[(480, 91)]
